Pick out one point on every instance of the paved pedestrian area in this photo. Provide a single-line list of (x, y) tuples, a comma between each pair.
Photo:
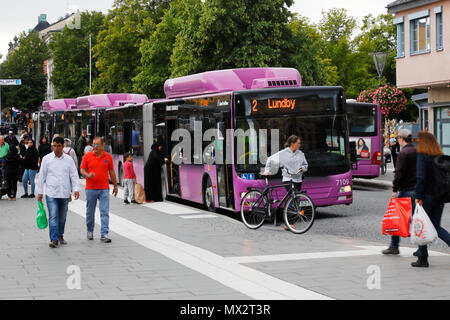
[(169, 251)]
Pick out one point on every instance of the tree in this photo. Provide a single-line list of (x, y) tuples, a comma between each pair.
[(233, 34), (26, 62), (156, 52), (70, 50), (307, 52), (337, 29), (117, 49)]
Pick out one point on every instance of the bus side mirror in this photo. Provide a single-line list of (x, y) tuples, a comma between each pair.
[(353, 158)]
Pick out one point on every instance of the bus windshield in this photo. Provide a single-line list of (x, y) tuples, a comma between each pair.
[(323, 142), (362, 119)]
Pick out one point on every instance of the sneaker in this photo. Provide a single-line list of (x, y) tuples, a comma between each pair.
[(62, 241), (391, 251), (31, 196), (90, 236), (24, 196), (126, 202), (53, 244), (105, 239)]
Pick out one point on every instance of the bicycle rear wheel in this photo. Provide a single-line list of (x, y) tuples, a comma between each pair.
[(299, 213), (254, 209)]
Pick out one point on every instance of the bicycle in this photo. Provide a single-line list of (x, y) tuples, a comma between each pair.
[(299, 210)]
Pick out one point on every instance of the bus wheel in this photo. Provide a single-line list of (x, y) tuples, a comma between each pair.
[(208, 196)]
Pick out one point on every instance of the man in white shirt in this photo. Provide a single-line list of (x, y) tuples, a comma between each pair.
[(59, 173)]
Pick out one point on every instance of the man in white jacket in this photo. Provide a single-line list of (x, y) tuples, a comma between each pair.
[(292, 162)]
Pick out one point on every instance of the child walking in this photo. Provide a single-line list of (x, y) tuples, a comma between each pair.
[(129, 178)]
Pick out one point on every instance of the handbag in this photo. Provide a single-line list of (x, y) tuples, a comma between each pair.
[(422, 229), (139, 193), (396, 220), (41, 218)]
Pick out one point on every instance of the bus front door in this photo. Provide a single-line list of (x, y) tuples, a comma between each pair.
[(173, 176)]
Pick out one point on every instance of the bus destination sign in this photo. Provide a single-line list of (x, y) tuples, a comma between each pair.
[(273, 105)]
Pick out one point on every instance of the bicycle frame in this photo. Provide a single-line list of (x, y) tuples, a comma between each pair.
[(267, 192)]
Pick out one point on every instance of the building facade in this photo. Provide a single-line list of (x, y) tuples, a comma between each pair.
[(423, 60)]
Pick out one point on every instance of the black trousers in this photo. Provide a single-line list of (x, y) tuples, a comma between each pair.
[(12, 187)]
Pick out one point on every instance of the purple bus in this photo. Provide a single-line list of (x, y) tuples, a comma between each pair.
[(261, 100), (365, 130), (50, 119), (118, 118)]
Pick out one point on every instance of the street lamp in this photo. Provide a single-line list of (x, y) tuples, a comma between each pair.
[(380, 62)]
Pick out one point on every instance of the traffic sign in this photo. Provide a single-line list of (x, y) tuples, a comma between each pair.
[(10, 82)]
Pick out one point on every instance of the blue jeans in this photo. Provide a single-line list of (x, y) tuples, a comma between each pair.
[(28, 175), (91, 203), (395, 240), (434, 210), (57, 213)]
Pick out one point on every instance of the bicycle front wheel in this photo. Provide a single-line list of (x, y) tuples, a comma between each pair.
[(299, 213), (253, 209)]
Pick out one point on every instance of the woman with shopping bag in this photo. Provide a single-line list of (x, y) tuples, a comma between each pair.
[(427, 149)]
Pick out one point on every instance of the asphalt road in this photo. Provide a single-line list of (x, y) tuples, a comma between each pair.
[(362, 219)]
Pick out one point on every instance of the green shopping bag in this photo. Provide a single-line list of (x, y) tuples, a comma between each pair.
[(41, 219)]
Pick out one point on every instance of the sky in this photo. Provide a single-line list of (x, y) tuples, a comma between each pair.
[(21, 15)]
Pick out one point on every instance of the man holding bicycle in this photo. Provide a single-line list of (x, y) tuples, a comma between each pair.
[(292, 162)]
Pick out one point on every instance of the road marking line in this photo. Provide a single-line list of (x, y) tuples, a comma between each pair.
[(199, 216), (367, 251), (248, 281), (405, 252)]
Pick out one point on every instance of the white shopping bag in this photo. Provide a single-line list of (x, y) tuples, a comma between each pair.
[(422, 229)]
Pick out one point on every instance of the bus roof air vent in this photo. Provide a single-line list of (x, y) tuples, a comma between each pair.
[(231, 80)]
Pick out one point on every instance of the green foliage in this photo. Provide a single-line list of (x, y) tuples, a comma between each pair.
[(70, 50), (233, 34), (26, 62), (117, 49), (307, 52), (156, 51)]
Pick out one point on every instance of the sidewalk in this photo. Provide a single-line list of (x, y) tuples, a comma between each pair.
[(171, 251), (382, 181)]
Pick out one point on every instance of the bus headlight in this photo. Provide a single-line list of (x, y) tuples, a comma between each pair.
[(243, 194), (345, 189)]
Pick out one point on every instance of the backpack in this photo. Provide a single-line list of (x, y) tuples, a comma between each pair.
[(441, 173)]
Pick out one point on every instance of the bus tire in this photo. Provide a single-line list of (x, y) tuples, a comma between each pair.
[(208, 195)]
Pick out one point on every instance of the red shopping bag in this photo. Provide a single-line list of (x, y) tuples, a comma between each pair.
[(397, 218)]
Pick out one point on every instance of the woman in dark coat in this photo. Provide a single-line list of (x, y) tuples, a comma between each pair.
[(152, 172), (30, 164), (12, 170), (44, 149), (427, 149)]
